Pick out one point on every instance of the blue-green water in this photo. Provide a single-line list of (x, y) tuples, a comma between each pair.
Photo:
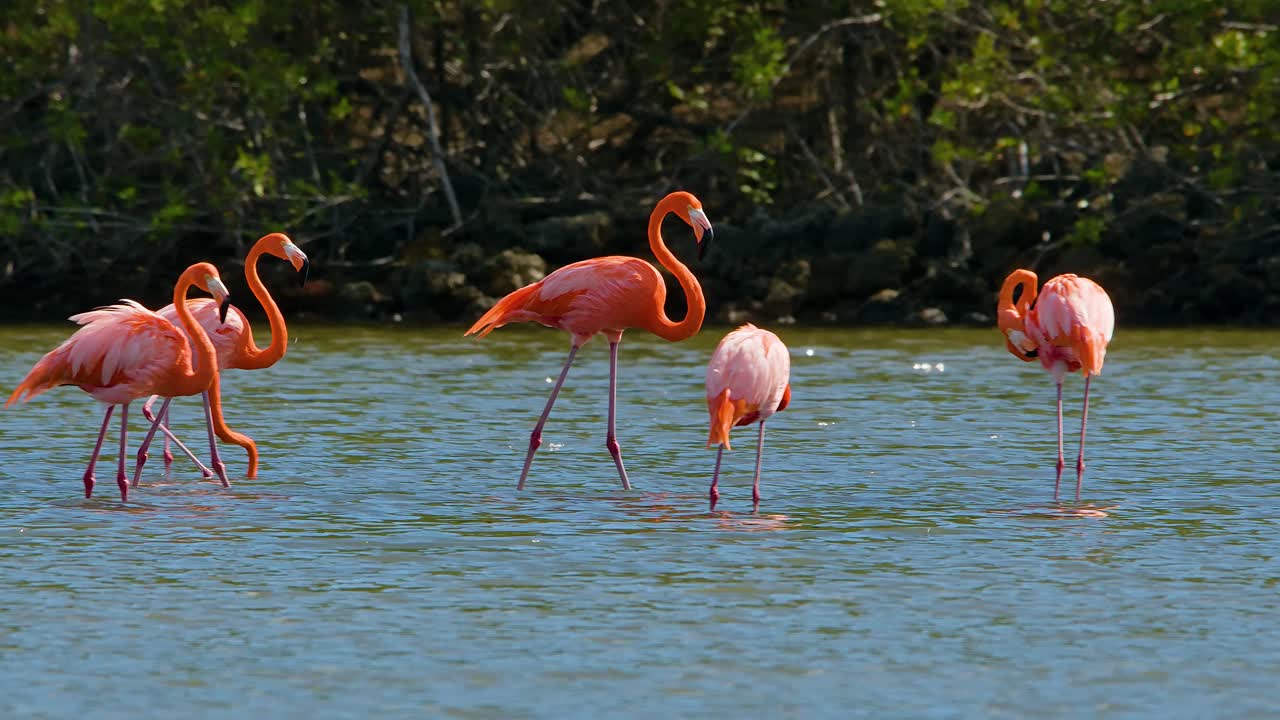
[(907, 560)]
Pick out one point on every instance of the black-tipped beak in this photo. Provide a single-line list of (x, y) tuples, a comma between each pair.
[(222, 310), (705, 243), (306, 268)]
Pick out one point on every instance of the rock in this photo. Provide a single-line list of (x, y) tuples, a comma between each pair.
[(360, 298), (977, 319), (467, 257), (563, 240), (884, 307), (781, 298), (884, 265), (509, 270), (932, 316)]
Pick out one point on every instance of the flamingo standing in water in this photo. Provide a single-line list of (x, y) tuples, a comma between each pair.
[(608, 295), (748, 380), (125, 352), (1067, 328), (233, 342)]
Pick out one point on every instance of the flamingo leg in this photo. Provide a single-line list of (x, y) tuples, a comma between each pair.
[(214, 460), (1084, 421), (715, 479), (146, 443), (97, 450), (164, 428), (535, 438), (611, 440), (1061, 464), (122, 478), (168, 437), (755, 484)]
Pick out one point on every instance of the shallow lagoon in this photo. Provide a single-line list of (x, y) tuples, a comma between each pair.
[(907, 560)]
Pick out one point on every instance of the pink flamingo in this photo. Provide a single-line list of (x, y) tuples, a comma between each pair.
[(748, 380), (125, 352), (1068, 327), (608, 295), (233, 342)]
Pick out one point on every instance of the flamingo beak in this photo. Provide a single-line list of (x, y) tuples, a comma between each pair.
[(221, 295), (702, 231), (298, 259)]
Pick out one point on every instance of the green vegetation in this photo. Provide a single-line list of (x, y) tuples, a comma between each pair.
[(863, 161)]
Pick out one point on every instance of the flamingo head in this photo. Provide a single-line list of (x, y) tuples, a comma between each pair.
[(1016, 298), (205, 276), (281, 246), (692, 213)]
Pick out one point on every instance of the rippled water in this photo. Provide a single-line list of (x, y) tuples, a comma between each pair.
[(907, 561)]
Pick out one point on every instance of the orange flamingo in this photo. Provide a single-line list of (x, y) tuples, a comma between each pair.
[(233, 342), (125, 352), (748, 380), (608, 295), (1068, 328)]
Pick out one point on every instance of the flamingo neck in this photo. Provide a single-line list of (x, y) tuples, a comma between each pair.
[(226, 434), (663, 326), (197, 381), (252, 358)]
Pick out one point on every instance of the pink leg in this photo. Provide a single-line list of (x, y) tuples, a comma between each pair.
[(168, 454), (755, 484), (1061, 464), (146, 443), (122, 478), (611, 440), (97, 449), (535, 438), (1084, 421), (168, 434), (215, 461), (715, 479)]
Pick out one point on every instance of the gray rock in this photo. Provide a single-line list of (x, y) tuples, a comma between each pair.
[(509, 270), (933, 316)]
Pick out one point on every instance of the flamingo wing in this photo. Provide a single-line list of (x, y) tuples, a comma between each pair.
[(227, 338), (1076, 314), (586, 297), (121, 352)]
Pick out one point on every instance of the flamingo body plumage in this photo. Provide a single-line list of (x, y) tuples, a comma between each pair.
[(748, 380), (1066, 325)]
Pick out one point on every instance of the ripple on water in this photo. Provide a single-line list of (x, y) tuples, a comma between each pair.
[(907, 560)]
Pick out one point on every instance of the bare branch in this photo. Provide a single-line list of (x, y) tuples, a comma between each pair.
[(433, 130)]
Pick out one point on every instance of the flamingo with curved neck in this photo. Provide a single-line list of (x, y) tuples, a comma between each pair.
[(609, 295), (236, 349), (125, 352), (1067, 326)]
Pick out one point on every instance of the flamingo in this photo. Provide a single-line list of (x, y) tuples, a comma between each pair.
[(609, 295), (124, 352), (1067, 328), (748, 380), (233, 342)]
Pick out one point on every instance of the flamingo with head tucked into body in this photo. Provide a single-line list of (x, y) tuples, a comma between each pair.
[(609, 295), (1067, 326), (233, 342), (125, 352), (748, 380)]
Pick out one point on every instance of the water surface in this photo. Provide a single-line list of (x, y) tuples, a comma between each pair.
[(907, 561)]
